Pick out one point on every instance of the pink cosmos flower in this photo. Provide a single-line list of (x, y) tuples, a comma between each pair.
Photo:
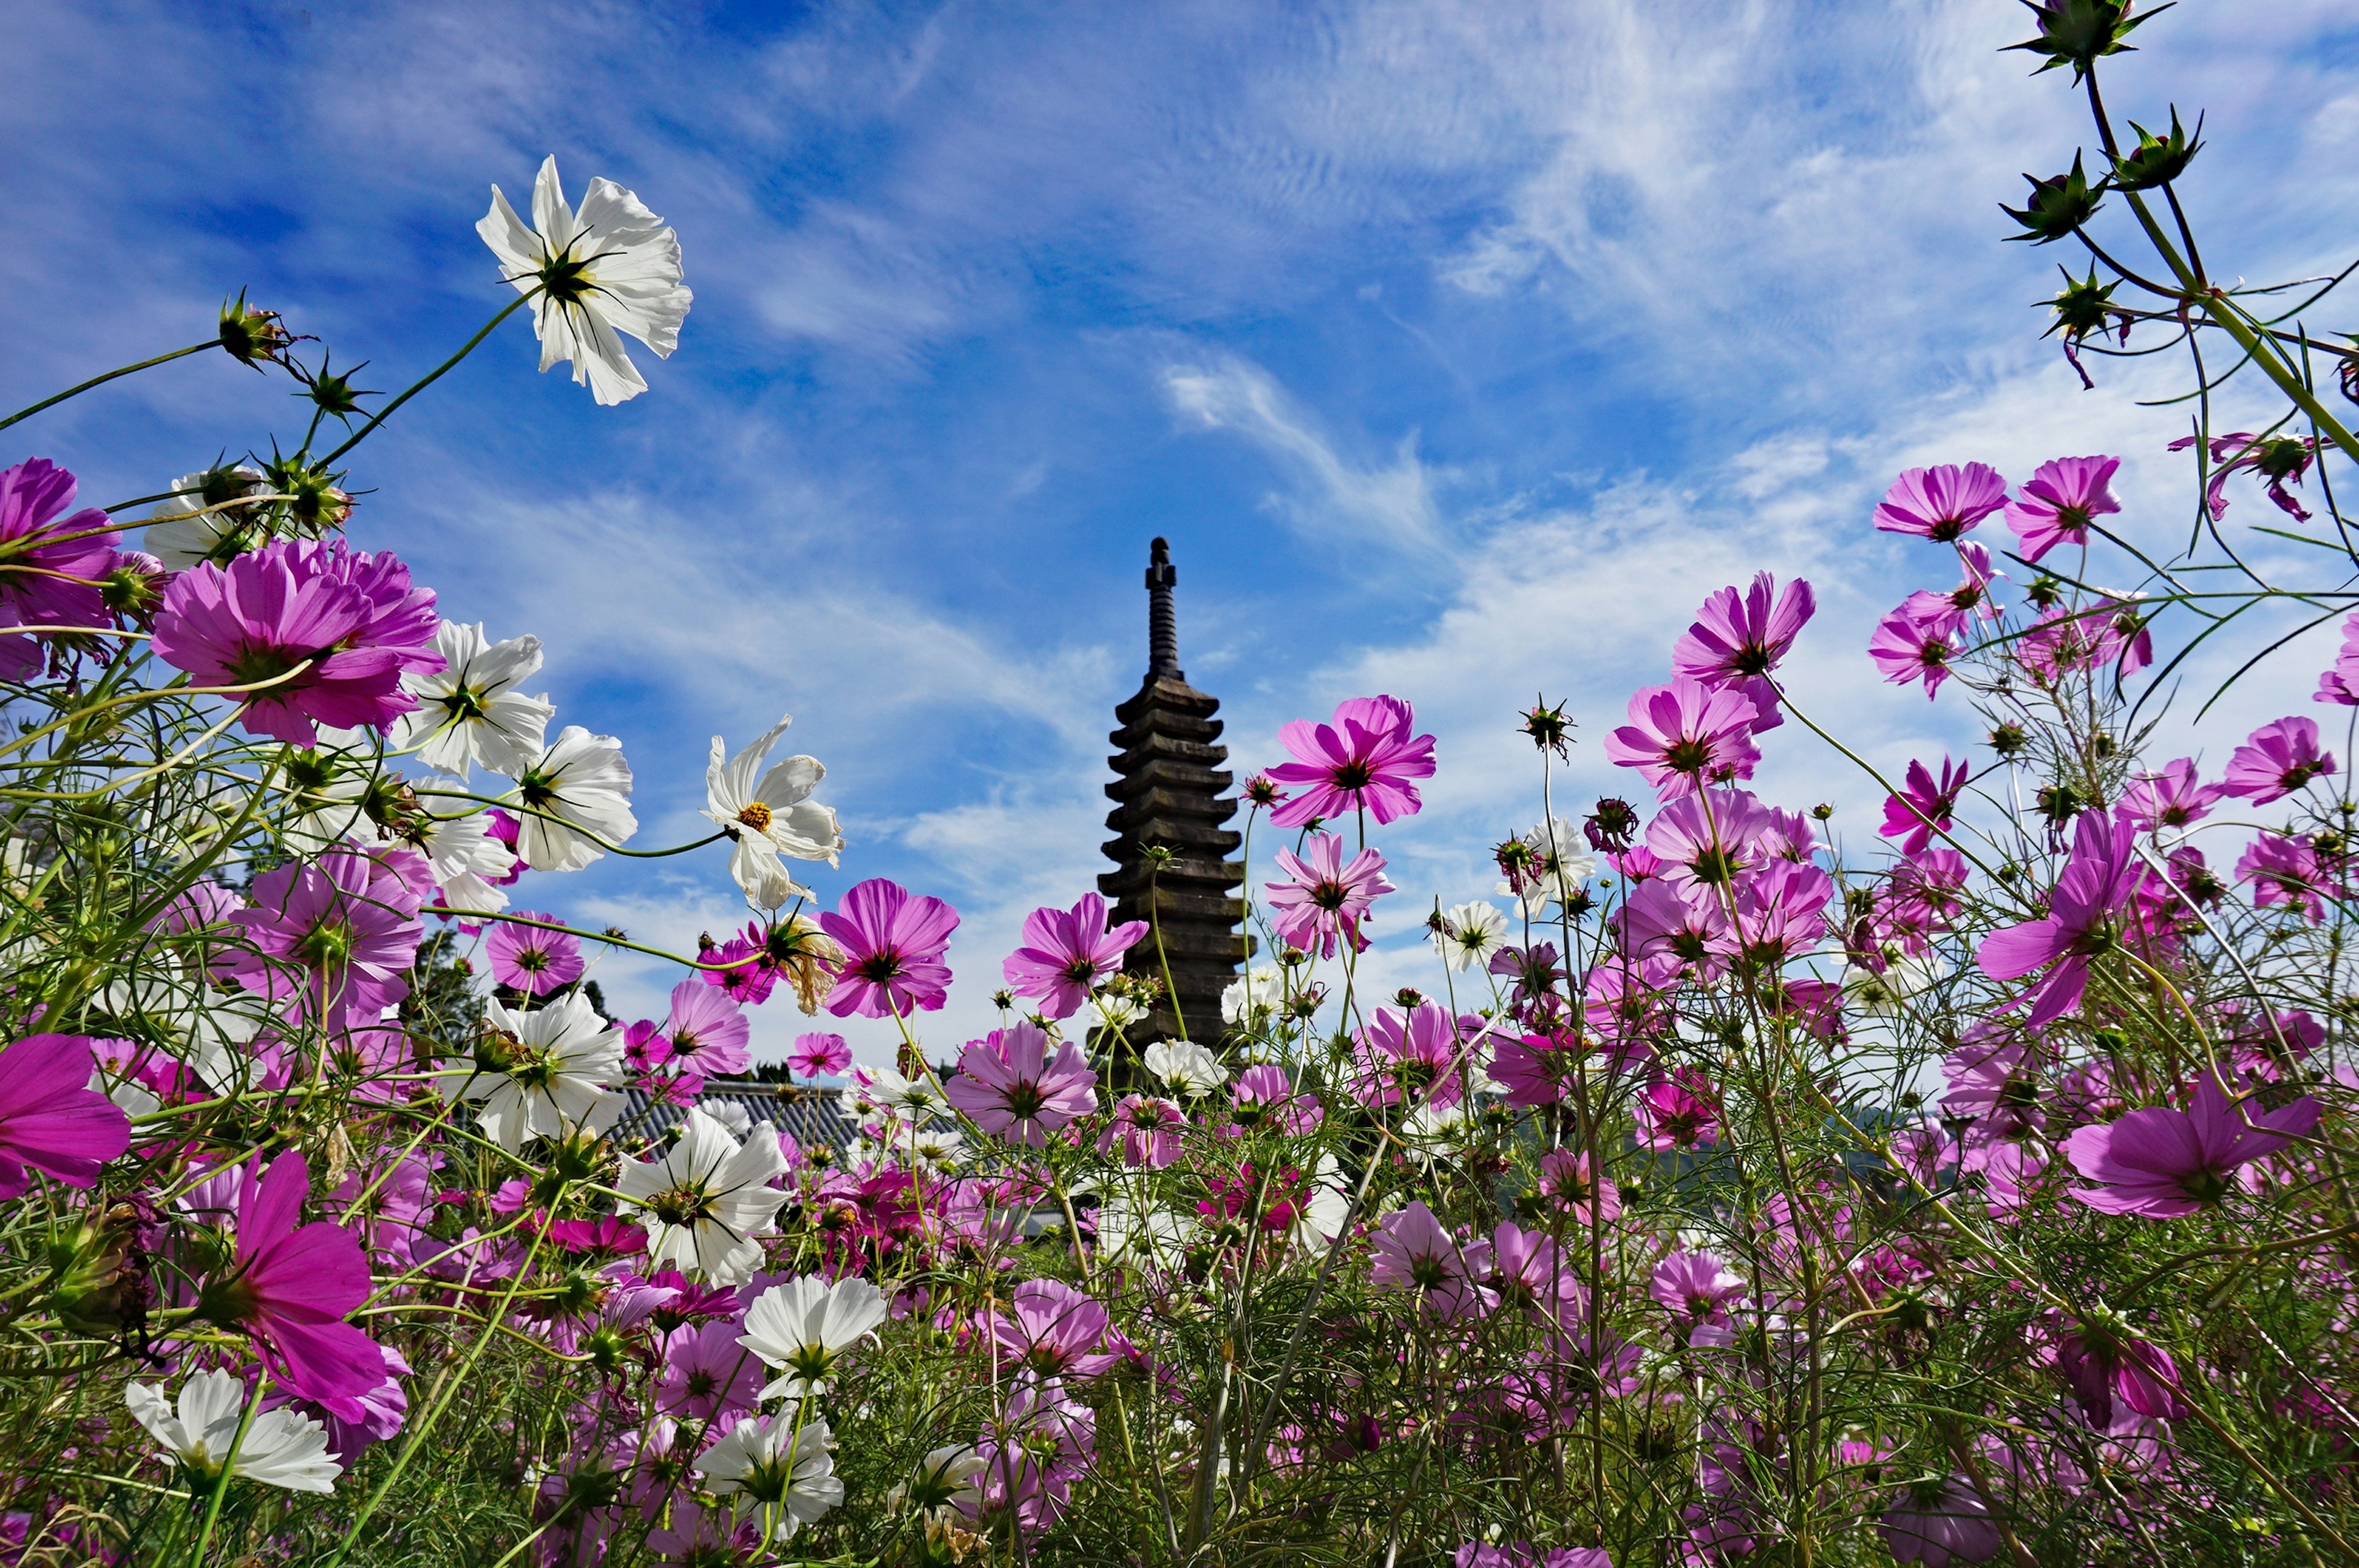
[(289, 1287), (1362, 761), (1906, 649), (1709, 840), (2173, 798), (1052, 1330), (1321, 906), (1945, 613), (706, 1033), (1263, 1091), (2340, 684), (1737, 640), (2279, 459), (1993, 1084), (2285, 869), (1413, 1057), (1568, 1181), (893, 945), (1523, 1555), (1147, 1128), (1016, 1090), (707, 1374), (1923, 807), (332, 630), (2084, 919), (2101, 1365), (1939, 1522), (1527, 1271), (2058, 504), (1412, 1251), (340, 930), (57, 559), (1678, 1112), (734, 968), (2276, 760), (1780, 914), (1941, 503), (1066, 953), (2166, 1165), (1533, 1068), (1686, 735), (1666, 931), (50, 1119), (1694, 1284), (529, 959), (819, 1055)]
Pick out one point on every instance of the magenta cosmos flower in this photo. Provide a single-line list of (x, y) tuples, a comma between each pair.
[(52, 561), (893, 944), (1066, 953), (1324, 903), (1146, 1129), (1737, 639), (1363, 759), (50, 1119), (1263, 1092), (1941, 503), (1678, 1112), (289, 1288), (1686, 735), (2276, 760), (2166, 1165), (2285, 869), (2278, 459), (1907, 648), (706, 1034), (1012, 1089), (1923, 805), (819, 1055), (341, 931), (1413, 1057), (330, 629), (2058, 501), (2175, 797), (535, 962), (2084, 919)]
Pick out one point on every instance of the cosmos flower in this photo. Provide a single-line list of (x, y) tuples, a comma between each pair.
[(470, 711), (706, 1033), (2278, 459), (2173, 798), (531, 961), (288, 1287), (579, 793), (2057, 504), (708, 1201), (707, 1373), (1146, 1128), (1187, 1069), (781, 1461), (541, 1074), (1067, 953), (612, 266), (1052, 1331), (51, 1121), (1468, 935), (1012, 1088), (1923, 805), (2284, 868), (469, 862), (2276, 760), (1941, 503), (2166, 1165), (1686, 735), (819, 1055), (804, 1327), (1678, 1112), (1322, 904), (280, 1448), (1413, 1251), (57, 558), (1938, 1522), (1361, 761), (340, 930), (196, 522), (1907, 649), (327, 633), (2083, 913), (1738, 639), (1694, 1284), (893, 944), (769, 816), (1264, 1091)]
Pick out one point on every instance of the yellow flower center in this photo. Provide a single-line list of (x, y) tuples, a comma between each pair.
[(756, 817)]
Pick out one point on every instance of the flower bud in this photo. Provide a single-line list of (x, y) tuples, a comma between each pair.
[(2057, 207), (251, 333), (2158, 160), (2079, 33)]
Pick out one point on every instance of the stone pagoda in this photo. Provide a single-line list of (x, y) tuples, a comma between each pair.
[(1168, 795)]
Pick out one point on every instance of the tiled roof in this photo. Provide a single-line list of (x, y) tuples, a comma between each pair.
[(809, 1116)]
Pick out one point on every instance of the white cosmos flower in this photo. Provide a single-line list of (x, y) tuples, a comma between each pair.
[(1185, 1068), (1133, 1228), (769, 817), (462, 854), (471, 712), (1476, 931), (584, 784), (1249, 1001), (541, 1074), (183, 540), (1559, 866), (790, 1473), (1885, 995), (1113, 1009), (708, 1201), (614, 266), (281, 1449), (911, 1099), (944, 1479), (936, 1151), (802, 1326)]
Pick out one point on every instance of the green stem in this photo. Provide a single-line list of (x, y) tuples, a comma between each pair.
[(110, 375), (428, 380)]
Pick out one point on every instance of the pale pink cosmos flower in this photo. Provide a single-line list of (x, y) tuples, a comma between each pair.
[(2276, 760), (1737, 639), (1262, 1091), (1527, 1271), (1147, 1129), (1939, 1522), (529, 959), (1666, 931), (1051, 1330), (1413, 1251), (819, 1055), (1923, 805), (1709, 840), (1686, 735), (1362, 761), (2084, 915), (2340, 684), (51, 1121), (893, 944), (1942, 502), (1014, 1089), (1568, 1181), (340, 930), (706, 1033), (1906, 649), (1322, 904), (1780, 913), (1945, 613), (2285, 869), (1413, 1057), (2166, 1165), (2175, 797), (1066, 953), (1694, 1284), (2057, 505)]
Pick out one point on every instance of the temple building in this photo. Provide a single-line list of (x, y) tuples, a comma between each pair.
[(1169, 794)]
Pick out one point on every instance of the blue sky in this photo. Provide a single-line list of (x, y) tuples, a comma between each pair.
[(1459, 348)]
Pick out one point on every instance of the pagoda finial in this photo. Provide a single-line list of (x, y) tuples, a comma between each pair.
[(1162, 626)]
